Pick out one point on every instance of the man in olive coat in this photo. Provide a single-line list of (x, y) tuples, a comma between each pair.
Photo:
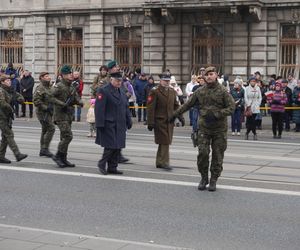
[(215, 104), (161, 103), (112, 120), (7, 94), (63, 115)]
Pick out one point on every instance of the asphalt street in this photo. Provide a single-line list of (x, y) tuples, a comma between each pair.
[(256, 205)]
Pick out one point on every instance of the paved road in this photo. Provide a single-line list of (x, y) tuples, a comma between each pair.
[(255, 207)]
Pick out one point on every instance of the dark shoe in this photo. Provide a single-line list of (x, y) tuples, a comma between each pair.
[(123, 159), (45, 152), (58, 160), (23, 115), (287, 130), (279, 137), (246, 136), (165, 167), (274, 136), (114, 171), (21, 157), (212, 185), (255, 137), (203, 183), (102, 169), (78, 119), (66, 162), (4, 160), (30, 116)]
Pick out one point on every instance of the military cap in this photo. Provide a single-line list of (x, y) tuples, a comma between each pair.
[(111, 64), (117, 75), (66, 69), (210, 69), (3, 77), (43, 74), (165, 76)]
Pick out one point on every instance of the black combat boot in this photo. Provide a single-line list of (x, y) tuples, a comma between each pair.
[(45, 152), (4, 160), (66, 162), (58, 159), (203, 183), (122, 159), (212, 184), (21, 157)]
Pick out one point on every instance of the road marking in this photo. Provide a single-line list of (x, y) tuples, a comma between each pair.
[(180, 137), (147, 180), (84, 237)]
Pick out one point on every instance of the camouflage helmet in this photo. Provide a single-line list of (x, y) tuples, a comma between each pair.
[(210, 69)]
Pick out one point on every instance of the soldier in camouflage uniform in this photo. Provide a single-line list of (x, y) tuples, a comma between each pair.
[(63, 115), (7, 95), (215, 104), (100, 80), (43, 102)]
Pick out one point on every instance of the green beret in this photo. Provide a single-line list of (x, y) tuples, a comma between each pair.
[(66, 69), (111, 64), (210, 69)]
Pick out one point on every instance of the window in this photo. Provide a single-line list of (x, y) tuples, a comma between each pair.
[(289, 50), (207, 47), (11, 48), (69, 46), (128, 47)]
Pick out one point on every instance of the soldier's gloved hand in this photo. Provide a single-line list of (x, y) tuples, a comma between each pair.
[(150, 127), (65, 108), (172, 119), (210, 118), (182, 120)]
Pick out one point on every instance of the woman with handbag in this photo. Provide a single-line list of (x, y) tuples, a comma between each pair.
[(252, 103)]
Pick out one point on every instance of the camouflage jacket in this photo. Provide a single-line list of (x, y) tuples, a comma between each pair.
[(66, 93), (7, 96), (98, 81), (44, 101), (215, 104)]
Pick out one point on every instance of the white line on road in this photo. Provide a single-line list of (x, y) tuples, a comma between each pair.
[(148, 180)]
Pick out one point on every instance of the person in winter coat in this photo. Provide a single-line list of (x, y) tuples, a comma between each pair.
[(296, 103), (237, 92), (139, 89), (26, 89), (252, 101), (277, 101)]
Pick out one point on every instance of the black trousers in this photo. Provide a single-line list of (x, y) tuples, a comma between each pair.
[(251, 124), (111, 158), (277, 122), (27, 99)]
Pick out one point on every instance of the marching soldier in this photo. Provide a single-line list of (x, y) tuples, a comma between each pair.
[(161, 103), (7, 94), (215, 104), (43, 101), (63, 115)]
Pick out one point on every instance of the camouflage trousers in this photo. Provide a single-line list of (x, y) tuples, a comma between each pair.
[(66, 135), (48, 130), (218, 144), (7, 139)]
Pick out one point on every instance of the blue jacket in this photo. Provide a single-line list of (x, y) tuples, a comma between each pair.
[(139, 90), (112, 117)]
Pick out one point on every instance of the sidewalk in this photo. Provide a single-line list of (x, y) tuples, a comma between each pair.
[(23, 238)]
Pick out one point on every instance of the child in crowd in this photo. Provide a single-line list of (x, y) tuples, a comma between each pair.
[(90, 118)]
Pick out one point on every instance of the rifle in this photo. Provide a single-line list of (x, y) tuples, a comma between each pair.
[(70, 98)]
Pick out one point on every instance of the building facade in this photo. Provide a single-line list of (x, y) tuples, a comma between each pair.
[(239, 37)]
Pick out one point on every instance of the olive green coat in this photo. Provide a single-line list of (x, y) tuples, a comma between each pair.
[(161, 104)]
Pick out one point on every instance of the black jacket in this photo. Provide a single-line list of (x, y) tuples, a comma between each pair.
[(26, 86)]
